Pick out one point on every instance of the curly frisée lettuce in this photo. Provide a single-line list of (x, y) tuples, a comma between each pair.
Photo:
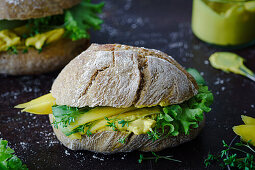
[(180, 118), (81, 18), (65, 115), (165, 121), (8, 161), (76, 21)]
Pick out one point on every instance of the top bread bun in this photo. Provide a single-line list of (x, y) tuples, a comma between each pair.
[(27, 9), (122, 76)]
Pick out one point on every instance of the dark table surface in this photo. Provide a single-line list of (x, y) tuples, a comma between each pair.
[(163, 25)]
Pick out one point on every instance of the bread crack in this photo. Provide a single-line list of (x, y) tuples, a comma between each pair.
[(142, 65), (92, 79)]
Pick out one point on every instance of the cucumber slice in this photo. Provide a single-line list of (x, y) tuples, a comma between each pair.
[(8, 24)]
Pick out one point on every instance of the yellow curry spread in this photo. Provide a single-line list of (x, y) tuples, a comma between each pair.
[(229, 62)]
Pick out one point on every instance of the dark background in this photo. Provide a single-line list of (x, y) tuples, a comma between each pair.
[(163, 25)]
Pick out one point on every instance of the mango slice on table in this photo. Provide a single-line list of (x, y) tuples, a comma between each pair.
[(40, 105), (247, 133), (248, 120)]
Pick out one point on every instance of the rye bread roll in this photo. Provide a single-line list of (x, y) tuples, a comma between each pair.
[(122, 76), (27, 9), (54, 56)]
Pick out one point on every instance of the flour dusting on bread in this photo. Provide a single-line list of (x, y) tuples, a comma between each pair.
[(120, 76)]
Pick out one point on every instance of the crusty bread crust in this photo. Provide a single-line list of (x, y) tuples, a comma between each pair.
[(27, 9), (121, 76), (107, 141), (54, 56)]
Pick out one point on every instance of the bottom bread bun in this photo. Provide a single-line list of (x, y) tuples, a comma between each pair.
[(52, 57), (107, 142)]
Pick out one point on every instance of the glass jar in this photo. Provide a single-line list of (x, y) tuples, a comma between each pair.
[(226, 23)]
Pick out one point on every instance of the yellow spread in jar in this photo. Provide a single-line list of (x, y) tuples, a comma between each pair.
[(229, 62), (224, 22)]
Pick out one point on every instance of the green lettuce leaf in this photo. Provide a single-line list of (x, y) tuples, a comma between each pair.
[(65, 115), (10, 24), (40, 25), (8, 161), (199, 79), (81, 18), (76, 21), (180, 118)]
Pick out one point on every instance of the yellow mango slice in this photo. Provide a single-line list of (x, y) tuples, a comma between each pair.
[(139, 113), (40, 105), (8, 39), (44, 98), (97, 114), (248, 120), (44, 38), (247, 132), (128, 116)]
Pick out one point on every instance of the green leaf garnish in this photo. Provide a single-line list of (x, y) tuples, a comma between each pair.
[(86, 127), (199, 79), (239, 155), (156, 158), (25, 51), (65, 115), (123, 122), (9, 161), (76, 21), (81, 18), (123, 140), (12, 50), (180, 118), (111, 123)]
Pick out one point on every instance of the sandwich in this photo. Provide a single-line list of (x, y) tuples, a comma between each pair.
[(44, 35), (118, 98)]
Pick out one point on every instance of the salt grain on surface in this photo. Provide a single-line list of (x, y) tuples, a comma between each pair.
[(206, 62), (24, 145), (67, 153), (96, 157)]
